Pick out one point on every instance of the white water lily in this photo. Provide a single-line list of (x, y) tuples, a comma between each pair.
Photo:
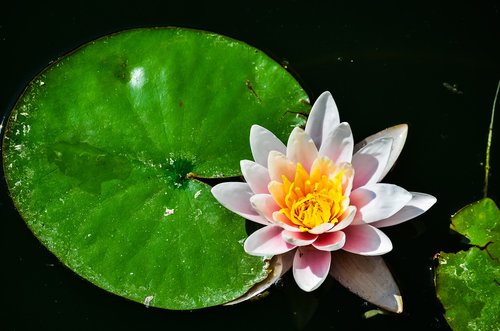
[(320, 194)]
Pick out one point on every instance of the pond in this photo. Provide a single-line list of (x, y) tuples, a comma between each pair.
[(434, 67)]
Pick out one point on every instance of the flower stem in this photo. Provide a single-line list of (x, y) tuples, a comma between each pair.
[(488, 145)]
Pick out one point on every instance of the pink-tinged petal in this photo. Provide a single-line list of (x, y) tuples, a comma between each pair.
[(367, 277), (345, 220), (278, 266), (310, 267), (298, 238), (301, 149), (262, 141), (256, 175), (279, 165), (265, 205), (267, 241), (366, 240), (370, 161), (378, 201), (323, 118), (398, 133), (338, 145), (321, 228), (283, 221), (330, 241), (418, 205), (236, 196)]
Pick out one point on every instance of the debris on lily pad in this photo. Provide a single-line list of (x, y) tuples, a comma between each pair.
[(468, 282)]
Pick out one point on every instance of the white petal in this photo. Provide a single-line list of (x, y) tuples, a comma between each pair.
[(367, 277), (338, 145), (323, 118), (279, 165), (378, 201), (267, 241), (418, 205), (370, 161), (256, 175), (310, 267), (366, 240), (398, 133), (236, 196), (265, 205), (263, 141), (301, 148)]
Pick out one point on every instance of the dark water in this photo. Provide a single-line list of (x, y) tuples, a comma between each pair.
[(434, 66)]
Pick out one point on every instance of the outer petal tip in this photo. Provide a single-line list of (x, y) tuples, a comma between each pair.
[(378, 202), (256, 175), (338, 145), (310, 267), (403, 127), (366, 240), (267, 241), (235, 196), (399, 303), (323, 118), (419, 204), (262, 141), (369, 278), (370, 161), (398, 133)]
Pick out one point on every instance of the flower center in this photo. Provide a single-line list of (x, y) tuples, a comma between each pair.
[(313, 199)]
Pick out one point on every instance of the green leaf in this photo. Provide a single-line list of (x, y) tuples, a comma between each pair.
[(105, 151), (468, 282)]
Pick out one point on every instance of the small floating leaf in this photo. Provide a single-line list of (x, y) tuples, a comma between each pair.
[(104, 149), (468, 282)]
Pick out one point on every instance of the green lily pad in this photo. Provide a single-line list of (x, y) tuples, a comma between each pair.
[(107, 151), (468, 282)]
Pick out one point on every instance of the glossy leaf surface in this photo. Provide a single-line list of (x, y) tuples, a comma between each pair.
[(467, 282), (104, 152)]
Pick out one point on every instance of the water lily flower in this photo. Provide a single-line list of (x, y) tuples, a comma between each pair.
[(319, 195)]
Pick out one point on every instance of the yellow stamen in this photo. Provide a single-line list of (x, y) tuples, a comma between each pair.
[(313, 199)]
